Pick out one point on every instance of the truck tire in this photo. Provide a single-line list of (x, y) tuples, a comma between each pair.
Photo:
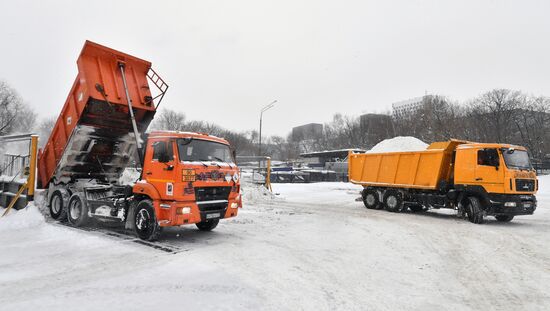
[(56, 206), (77, 210), (145, 221), (474, 210), (393, 200), (371, 199), (207, 225), (504, 218)]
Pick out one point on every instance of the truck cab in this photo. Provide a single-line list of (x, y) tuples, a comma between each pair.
[(187, 178), (502, 174)]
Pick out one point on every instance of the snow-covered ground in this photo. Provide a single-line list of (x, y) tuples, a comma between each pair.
[(313, 247)]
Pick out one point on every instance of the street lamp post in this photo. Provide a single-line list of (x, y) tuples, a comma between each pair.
[(267, 107)]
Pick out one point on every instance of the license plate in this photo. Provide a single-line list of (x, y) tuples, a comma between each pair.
[(528, 205), (213, 215)]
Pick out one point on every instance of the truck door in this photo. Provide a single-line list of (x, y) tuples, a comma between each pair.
[(489, 171), (159, 167)]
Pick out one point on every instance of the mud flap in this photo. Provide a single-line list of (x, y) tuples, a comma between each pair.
[(460, 207), (129, 223)]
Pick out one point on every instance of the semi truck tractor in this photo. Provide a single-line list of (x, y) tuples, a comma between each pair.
[(183, 178), (476, 179)]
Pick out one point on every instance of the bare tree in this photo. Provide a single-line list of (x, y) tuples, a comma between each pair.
[(44, 129), (494, 113), (26, 120), (532, 122), (11, 105), (169, 120)]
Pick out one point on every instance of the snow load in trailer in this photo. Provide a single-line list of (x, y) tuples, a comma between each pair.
[(93, 137)]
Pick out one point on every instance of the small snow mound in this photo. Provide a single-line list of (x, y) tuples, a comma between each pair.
[(399, 144), (21, 219), (129, 176), (255, 193)]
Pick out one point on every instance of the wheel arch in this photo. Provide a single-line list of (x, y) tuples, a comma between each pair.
[(146, 189), (466, 191), (129, 221)]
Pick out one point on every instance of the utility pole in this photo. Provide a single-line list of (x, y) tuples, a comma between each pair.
[(264, 109)]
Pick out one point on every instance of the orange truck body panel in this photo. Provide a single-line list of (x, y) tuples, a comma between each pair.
[(419, 169), (87, 108)]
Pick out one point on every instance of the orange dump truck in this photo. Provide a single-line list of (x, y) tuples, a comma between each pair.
[(476, 179), (184, 178)]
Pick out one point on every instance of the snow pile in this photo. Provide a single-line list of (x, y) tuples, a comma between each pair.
[(399, 143), (255, 193), (248, 175), (21, 219), (129, 176)]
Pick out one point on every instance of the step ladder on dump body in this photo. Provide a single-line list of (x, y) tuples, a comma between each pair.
[(159, 83)]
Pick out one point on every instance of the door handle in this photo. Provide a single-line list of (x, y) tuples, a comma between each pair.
[(479, 178), (149, 173)]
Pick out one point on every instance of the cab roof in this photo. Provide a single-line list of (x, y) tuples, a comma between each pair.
[(178, 134), (489, 145), (453, 144)]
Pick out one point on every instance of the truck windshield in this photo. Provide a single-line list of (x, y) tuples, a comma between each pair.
[(516, 159), (203, 150)]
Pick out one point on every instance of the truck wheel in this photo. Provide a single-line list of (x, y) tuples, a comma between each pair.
[(371, 198), (207, 225), (504, 218), (57, 210), (393, 200), (474, 211), (77, 210), (145, 221)]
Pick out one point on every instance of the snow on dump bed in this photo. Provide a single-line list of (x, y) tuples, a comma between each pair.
[(399, 143)]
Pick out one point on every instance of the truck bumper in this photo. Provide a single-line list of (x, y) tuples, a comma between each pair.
[(512, 205), (169, 215)]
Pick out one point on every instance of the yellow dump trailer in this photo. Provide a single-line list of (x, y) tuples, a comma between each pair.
[(475, 179), (418, 169)]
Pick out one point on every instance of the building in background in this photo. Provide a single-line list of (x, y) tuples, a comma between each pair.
[(407, 107), (307, 131), (375, 128)]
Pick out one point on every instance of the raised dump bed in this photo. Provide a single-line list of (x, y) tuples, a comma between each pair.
[(414, 169), (93, 136)]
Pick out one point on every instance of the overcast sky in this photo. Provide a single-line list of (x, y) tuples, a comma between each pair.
[(224, 60)]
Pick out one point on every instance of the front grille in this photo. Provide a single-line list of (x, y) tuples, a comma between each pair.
[(211, 207), (525, 185), (212, 193)]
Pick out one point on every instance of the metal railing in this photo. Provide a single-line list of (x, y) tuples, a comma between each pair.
[(14, 165), (20, 169)]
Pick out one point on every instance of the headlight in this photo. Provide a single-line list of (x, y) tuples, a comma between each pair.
[(234, 205), (510, 204), (236, 177), (183, 210)]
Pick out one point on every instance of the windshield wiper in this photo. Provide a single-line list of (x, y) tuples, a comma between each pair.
[(201, 160), (221, 160)]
